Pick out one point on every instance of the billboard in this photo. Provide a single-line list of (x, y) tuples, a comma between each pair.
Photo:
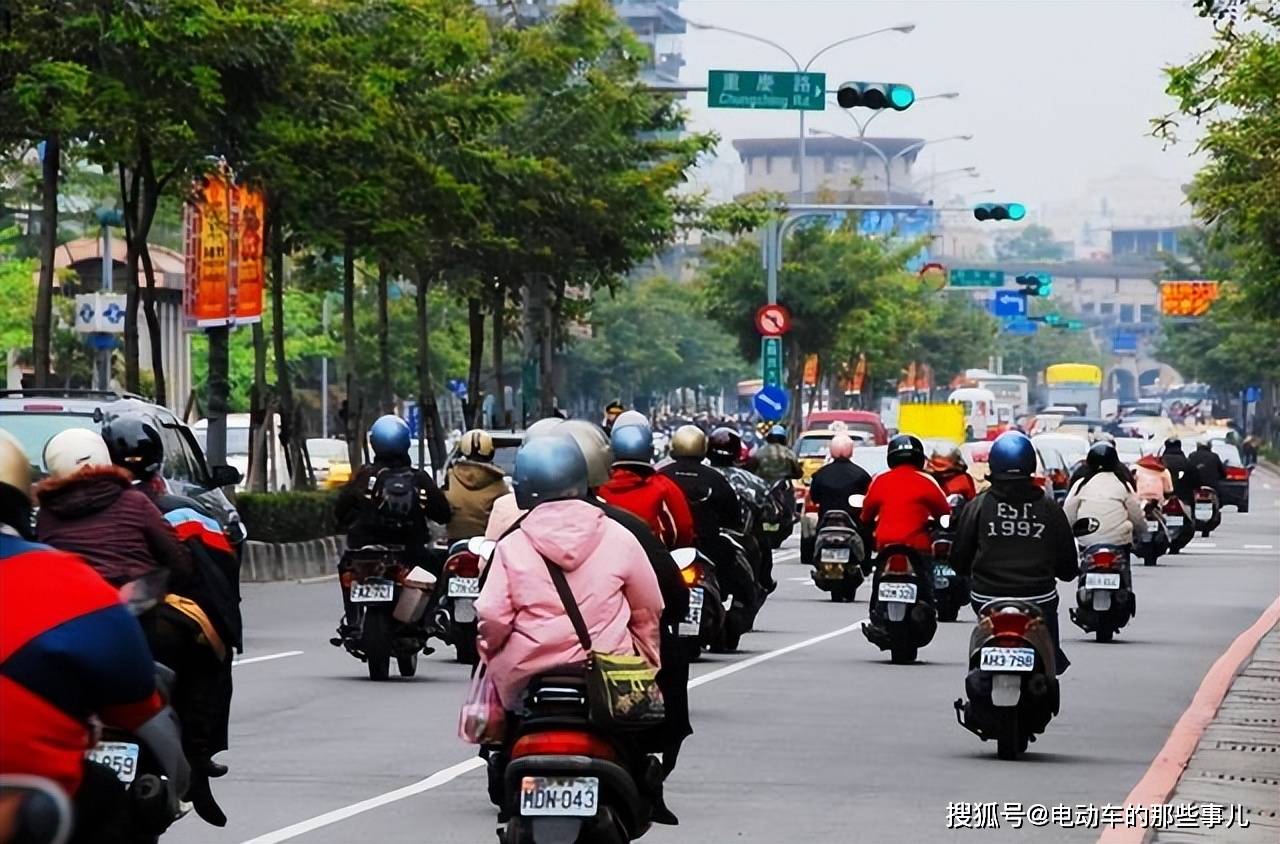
[(224, 254), (1187, 298)]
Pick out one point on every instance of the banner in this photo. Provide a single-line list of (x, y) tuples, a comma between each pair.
[(250, 275), (1187, 298), (811, 371), (224, 254)]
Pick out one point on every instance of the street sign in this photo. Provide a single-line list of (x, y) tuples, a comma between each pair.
[(413, 413), (771, 402), (1009, 303), (977, 278), (1124, 343), (766, 89), (773, 320), (1252, 394), (1021, 325), (771, 360), (100, 313)]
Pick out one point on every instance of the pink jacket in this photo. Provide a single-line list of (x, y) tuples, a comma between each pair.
[(1153, 485), (523, 629)]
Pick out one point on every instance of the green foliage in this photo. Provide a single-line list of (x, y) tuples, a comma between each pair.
[(17, 296), (1033, 243), (1029, 354), (288, 516)]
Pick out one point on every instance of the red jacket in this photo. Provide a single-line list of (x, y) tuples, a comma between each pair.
[(655, 498), (900, 503), (956, 482)]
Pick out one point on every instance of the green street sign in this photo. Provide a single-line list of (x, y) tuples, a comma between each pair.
[(766, 89), (976, 278), (771, 360), (1075, 325)]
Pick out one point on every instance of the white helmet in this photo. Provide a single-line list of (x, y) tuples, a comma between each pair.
[(69, 450)]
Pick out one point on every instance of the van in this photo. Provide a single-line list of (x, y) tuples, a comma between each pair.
[(855, 422), (981, 419)]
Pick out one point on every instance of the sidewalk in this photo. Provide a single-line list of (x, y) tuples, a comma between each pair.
[(1237, 761)]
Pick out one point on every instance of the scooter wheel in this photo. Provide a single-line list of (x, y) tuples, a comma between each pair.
[(464, 644), (376, 644), (1010, 744), (1104, 634), (904, 655), (407, 665), (948, 613), (1149, 560)]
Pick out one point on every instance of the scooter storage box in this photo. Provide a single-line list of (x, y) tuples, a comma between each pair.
[(415, 594)]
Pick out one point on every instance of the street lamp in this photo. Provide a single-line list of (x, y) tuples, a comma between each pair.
[(864, 124), (934, 178), (904, 28), (889, 159)]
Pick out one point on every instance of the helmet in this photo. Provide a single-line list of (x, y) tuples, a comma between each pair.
[(1012, 457), (724, 447), (1173, 443), (15, 484), (595, 448), (632, 443), (947, 457), (390, 437), (630, 417), (135, 444), (549, 469), (905, 448), (73, 448), (777, 434), (841, 447), (543, 427), (689, 441), (1103, 456), (476, 445)]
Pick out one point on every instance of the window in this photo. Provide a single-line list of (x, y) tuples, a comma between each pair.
[(1126, 313), (1107, 308), (177, 465), (768, 164), (1147, 313)]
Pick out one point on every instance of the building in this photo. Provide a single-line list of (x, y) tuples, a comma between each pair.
[(874, 170), (1146, 243)]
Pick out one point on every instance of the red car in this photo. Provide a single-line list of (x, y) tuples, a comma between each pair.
[(855, 420)]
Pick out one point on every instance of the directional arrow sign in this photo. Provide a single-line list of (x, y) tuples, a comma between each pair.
[(771, 402), (1010, 303), (85, 312)]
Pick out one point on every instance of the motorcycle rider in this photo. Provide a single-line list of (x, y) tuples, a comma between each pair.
[(612, 411), (635, 486), (1152, 479), (1105, 494), (711, 498), (472, 485), (724, 447), (948, 468), (832, 485), (1013, 541), (774, 461), (901, 502), (1186, 477), (82, 654), (1208, 465)]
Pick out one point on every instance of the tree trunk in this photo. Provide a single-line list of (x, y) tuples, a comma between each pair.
[(218, 389), (430, 432), (475, 326), (153, 324), (42, 330), (386, 403), (291, 432), (499, 309), (352, 421), (258, 409), (129, 198)]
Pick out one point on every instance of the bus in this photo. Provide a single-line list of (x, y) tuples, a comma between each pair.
[(1078, 385), (1009, 390)]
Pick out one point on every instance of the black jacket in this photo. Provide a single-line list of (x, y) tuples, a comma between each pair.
[(1013, 541), (1208, 464), (835, 482), (1186, 477), (675, 595), (710, 496), (355, 510)]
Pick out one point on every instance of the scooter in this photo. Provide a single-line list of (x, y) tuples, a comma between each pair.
[(741, 592), (1207, 510), (390, 601), (1104, 598), (1155, 541), (950, 590), (566, 781), (455, 615), (838, 555), (1012, 686), (1179, 524), (781, 519), (901, 620), (703, 625), (37, 810)]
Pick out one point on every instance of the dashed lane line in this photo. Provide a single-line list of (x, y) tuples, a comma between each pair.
[(265, 658)]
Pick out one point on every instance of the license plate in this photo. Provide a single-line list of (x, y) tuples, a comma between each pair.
[(1204, 512), (1007, 659), (363, 593), (559, 796), (940, 582), (944, 571), (1174, 521), (1153, 527), (1101, 580), (464, 587), (834, 555), (692, 623), (772, 527), (900, 593), (119, 756)]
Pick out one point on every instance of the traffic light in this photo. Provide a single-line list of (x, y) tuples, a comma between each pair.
[(875, 95), (999, 211), (1036, 284)]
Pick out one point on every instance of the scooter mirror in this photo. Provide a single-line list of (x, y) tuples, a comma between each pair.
[(855, 501), (684, 557), (1084, 527), (945, 522)]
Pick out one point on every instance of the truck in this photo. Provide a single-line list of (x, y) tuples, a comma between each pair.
[(1077, 385)]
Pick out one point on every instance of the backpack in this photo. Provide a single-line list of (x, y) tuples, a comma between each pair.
[(395, 498)]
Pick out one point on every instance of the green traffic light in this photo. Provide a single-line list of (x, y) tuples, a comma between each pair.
[(1016, 210), (901, 97)]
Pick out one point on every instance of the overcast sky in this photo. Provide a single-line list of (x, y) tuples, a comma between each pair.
[(1058, 93)]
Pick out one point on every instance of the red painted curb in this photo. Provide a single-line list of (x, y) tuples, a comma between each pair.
[(1162, 777)]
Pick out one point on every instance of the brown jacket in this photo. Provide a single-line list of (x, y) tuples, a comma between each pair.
[(471, 489)]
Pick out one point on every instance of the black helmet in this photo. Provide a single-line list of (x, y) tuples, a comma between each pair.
[(134, 443), (1173, 444), (1103, 457), (724, 447), (906, 448)]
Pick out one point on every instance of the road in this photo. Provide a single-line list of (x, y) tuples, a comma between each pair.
[(808, 735)]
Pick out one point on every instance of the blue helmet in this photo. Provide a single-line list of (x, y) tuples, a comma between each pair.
[(777, 434), (549, 469), (390, 437), (632, 443), (1012, 457)]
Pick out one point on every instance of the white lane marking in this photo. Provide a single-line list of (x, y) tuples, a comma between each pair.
[(324, 578), (265, 658), (1227, 552), (448, 775), (1260, 547), (1203, 545), (800, 579)]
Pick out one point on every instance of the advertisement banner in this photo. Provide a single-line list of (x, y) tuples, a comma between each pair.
[(250, 273), (224, 254), (1187, 298)]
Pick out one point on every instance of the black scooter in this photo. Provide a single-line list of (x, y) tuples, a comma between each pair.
[(902, 620), (1155, 542), (1104, 599), (703, 625), (950, 590), (838, 555), (390, 599)]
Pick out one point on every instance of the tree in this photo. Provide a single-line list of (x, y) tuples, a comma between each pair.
[(1029, 354), (1033, 243)]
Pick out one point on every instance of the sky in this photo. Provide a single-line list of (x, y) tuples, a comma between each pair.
[(1057, 93)]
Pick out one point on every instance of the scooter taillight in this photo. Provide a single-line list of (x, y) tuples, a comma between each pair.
[(1173, 507), (1103, 559), (463, 564), (1204, 494), (897, 564), (691, 574), (941, 549), (810, 506), (1013, 624), (563, 743), (1039, 480)]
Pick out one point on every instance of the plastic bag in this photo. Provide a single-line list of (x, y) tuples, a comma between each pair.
[(482, 720)]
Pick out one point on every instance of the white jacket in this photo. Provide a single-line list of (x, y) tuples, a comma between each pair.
[(1116, 507)]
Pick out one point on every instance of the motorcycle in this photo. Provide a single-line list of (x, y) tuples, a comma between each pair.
[(1179, 524), (780, 518), (565, 780), (1155, 541), (950, 590), (1012, 686), (455, 615), (901, 620), (1207, 510), (703, 624), (390, 601), (741, 595), (1104, 597), (838, 555)]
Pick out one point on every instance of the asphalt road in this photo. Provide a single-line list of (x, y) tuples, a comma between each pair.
[(809, 735)]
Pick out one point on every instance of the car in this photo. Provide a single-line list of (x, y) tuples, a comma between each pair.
[(1133, 449), (1049, 474), (812, 447), (873, 458), (1071, 447), (855, 422), (330, 461), (33, 416), (1234, 489)]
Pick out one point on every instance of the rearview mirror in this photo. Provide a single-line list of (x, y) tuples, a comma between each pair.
[(481, 547), (945, 521), (1084, 527), (220, 476), (855, 501), (684, 557)]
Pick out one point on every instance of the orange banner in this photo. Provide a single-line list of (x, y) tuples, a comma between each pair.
[(811, 371), (860, 373), (224, 254), (1187, 298), (249, 272)]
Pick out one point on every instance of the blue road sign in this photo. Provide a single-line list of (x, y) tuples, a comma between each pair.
[(1252, 394), (771, 402), (414, 417), (1021, 325), (1009, 303), (114, 313), (1124, 343), (458, 387)]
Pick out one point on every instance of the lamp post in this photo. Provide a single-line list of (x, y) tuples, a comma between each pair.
[(864, 124), (889, 159), (903, 28), (946, 175)]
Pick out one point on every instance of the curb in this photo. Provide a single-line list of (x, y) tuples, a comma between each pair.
[(267, 562)]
